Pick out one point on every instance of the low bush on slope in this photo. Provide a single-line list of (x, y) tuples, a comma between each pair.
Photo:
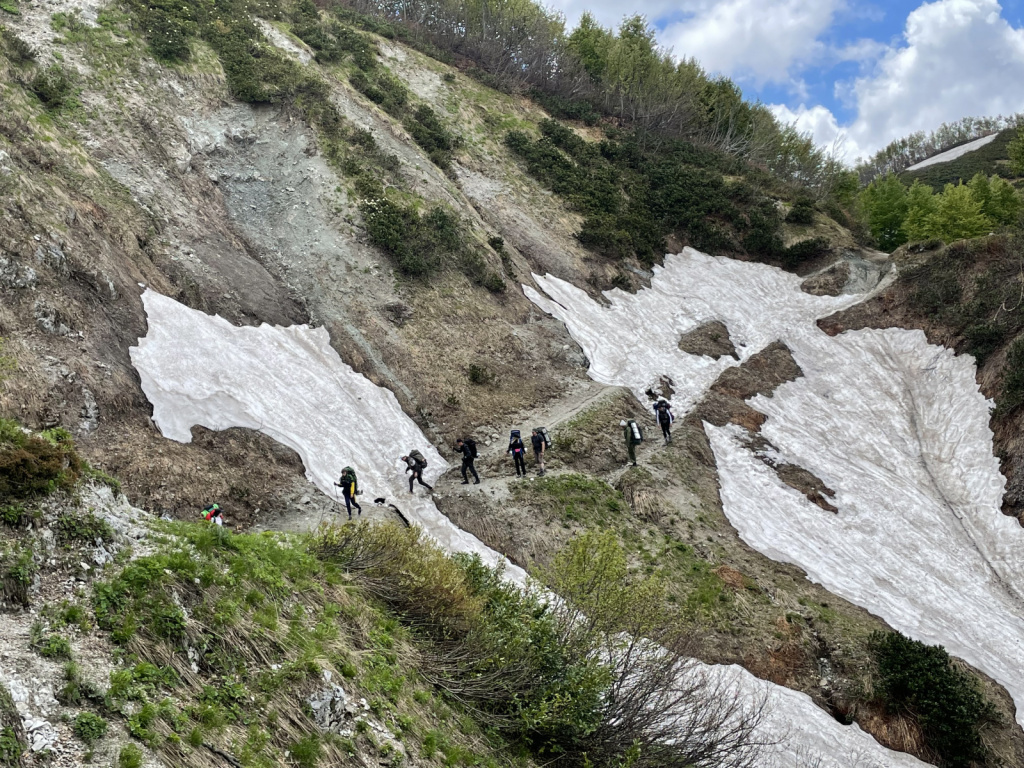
[(947, 702), (35, 464)]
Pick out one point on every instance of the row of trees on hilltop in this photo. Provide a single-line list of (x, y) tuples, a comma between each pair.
[(904, 152), (897, 214), (594, 72)]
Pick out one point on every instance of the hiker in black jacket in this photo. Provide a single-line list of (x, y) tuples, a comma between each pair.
[(537, 440), (467, 448), (415, 462), (518, 451), (663, 411)]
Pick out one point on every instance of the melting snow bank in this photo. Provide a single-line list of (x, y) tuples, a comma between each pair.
[(953, 154), (895, 426), (291, 385), (635, 341), (898, 429)]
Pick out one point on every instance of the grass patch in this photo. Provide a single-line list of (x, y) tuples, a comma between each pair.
[(572, 497)]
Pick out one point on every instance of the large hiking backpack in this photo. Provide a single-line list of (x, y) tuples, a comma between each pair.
[(470, 443), (637, 430), (418, 458), (514, 435), (543, 432), (348, 476)]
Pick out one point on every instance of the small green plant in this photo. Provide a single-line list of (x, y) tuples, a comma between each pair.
[(55, 647), (82, 527), (89, 727), (34, 465), (306, 752), (53, 87), (13, 515), (10, 6), (479, 374), (130, 756)]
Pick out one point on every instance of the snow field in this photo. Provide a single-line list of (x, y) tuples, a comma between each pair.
[(895, 426), (291, 385), (953, 154)]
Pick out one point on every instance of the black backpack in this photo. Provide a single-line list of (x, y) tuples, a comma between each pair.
[(543, 432), (470, 443), (637, 432), (418, 458)]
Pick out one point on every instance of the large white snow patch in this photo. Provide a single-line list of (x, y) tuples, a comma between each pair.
[(291, 385), (898, 429), (895, 426), (634, 341), (953, 154)]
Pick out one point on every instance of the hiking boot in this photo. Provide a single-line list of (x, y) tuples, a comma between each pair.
[(466, 482), (477, 481)]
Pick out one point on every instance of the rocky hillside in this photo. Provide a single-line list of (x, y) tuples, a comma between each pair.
[(302, 165)]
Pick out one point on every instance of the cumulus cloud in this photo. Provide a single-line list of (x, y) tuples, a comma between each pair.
[(961, 57), (822, 125), (756, 40)]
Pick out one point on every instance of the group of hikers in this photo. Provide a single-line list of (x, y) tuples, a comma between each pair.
[(540, 442)]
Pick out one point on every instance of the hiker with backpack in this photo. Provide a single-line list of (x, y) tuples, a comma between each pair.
[(349, 490), (539, 446), (663, 412), (633, 435), (467, 448), (214, 514), (417, 463), (518, 451)]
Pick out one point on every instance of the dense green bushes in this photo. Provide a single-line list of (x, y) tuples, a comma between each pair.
[(897, 214), (633, 196), (921, 681), (35, 464), (423, 243)]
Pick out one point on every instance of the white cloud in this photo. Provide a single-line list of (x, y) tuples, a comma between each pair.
[(957, 58), (822, 125), (757, 40), (961, 58)]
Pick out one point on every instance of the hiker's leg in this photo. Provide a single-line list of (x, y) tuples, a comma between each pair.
[(411, 478), (355, 504), (465, 465), (473, 470), (348, 503)]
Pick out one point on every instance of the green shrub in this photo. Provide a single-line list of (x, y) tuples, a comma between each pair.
[(17, 50), (306, 752), (89, 727), (82, 527), (921, 681), (13, 515), (802, 211), (32, 465), (805, 250), (1012, 395), (55, 647), (17, 569), (130, 756), (478, 374), (418, 244), (52, 86)]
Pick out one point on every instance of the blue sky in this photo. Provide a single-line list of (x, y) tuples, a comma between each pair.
[(862, 71)]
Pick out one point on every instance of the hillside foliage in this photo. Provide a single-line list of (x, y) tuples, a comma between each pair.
[(897, 214)]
